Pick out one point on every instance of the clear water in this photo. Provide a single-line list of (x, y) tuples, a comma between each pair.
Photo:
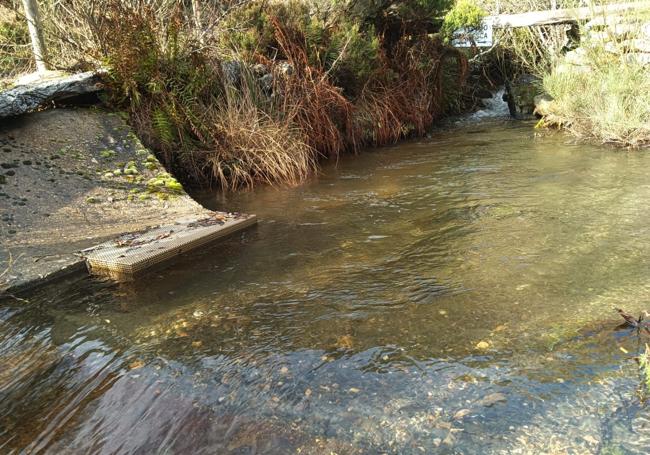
[(453, 295)]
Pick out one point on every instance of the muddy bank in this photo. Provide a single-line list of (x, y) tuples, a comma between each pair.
[(70, 179)]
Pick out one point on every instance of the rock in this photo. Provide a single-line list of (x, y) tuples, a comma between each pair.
[(266, 82), (232, 71), (521, 96), (597, 35), (29, 97), (603, 21), (286, 69), (612, 47), (577, 57), (636, 45), (492, 399), (543, 104), (460, 414), (644, 31), (642, 59), (260, 69)]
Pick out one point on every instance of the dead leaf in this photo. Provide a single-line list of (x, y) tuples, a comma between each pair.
[(136, 364)]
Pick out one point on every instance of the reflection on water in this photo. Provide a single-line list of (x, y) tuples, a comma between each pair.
[(450, 296)]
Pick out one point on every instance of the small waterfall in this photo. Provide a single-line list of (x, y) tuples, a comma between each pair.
[(494, 107)]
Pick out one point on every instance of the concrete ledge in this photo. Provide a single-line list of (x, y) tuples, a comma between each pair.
[(71, 179)]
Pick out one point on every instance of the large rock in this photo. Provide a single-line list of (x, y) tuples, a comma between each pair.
[(637, 45), (642, 59), (521, 95), (29, 97), (543, 104)]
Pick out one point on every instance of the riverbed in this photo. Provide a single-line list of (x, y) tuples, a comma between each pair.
[(448, 295)]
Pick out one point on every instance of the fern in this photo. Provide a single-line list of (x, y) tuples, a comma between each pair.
[(163, 127)]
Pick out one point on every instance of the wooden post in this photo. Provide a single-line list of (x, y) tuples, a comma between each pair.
[(196, 13), (36, 34)]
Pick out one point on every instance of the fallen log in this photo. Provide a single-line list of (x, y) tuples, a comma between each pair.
[(559, 16)]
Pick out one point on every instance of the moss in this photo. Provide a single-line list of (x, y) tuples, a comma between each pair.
[(108, 154), (174, 185)]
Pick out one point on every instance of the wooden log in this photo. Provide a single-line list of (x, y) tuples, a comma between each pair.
[(560, 16)]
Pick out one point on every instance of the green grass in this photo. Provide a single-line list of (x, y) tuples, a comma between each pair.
[(609, 103)]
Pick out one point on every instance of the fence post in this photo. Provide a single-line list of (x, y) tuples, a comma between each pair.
[(36, 34)]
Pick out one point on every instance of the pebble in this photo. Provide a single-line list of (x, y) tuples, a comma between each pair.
[(482, 345)]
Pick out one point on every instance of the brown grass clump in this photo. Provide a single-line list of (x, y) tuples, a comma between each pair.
[(255, 148), (310, 100), (409, 102)]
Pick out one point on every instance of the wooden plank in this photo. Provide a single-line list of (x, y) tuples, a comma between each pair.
[(560, 16)]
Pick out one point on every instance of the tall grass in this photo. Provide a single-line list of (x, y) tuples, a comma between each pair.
[(609, 103), (606, 96), (335, 86)]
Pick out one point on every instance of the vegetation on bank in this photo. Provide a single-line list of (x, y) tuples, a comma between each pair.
[(259, 91), (596, 72), (601, 91), (609, 102)]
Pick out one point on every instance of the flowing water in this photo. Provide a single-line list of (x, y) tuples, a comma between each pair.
[(451, 295)]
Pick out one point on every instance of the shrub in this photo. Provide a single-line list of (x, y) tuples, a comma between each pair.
[(465, 14)]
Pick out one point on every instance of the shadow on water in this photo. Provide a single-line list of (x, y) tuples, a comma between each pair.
[(450, 296)]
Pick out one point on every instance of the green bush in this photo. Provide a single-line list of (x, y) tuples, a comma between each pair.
[(465, 14)]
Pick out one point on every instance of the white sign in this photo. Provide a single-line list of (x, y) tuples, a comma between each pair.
[(480, 37)]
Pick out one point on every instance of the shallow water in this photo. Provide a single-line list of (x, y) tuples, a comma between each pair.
[(453, 295)]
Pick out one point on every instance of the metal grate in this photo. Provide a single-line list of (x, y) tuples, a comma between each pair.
[(132, 254)]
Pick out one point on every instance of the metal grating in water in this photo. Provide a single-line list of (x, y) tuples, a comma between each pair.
[(131, 254)]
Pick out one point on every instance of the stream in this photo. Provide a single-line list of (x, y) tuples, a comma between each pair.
[(447, 295)]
